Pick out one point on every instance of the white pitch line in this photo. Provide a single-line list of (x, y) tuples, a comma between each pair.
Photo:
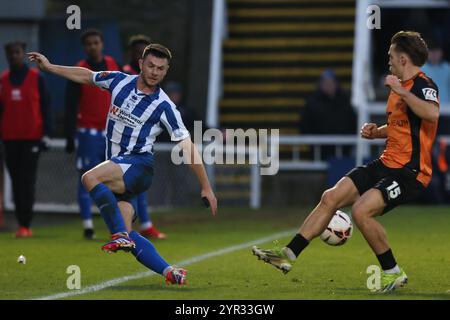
[(113, 282)]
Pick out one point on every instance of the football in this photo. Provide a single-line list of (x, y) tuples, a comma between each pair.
[(339, 229)]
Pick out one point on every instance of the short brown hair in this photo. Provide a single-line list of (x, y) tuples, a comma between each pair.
[(13, 44), (91, 32), (139, 39), (157, 50), (411, 43)]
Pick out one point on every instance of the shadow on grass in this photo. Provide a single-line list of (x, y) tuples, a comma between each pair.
[(154, 287), (392, 295), (410, 295)]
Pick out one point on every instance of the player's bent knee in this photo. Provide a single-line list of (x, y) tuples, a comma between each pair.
[(89, 180), (116, 186), (360, 213), (330, 198), (357, 215)]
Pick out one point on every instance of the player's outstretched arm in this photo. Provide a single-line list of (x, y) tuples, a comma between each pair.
[(76, 74), (196, 164)]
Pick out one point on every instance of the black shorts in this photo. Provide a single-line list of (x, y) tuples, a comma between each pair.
[(397, 186)]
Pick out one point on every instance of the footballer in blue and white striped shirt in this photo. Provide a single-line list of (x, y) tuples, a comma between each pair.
[(139, 111)]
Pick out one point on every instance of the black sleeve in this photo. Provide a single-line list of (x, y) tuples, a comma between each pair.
[(45, 106), (72, 100), (425, 89)]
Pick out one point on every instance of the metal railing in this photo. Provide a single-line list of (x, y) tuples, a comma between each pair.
[(57, 191)]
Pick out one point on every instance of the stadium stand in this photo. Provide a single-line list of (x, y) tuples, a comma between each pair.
[(272, 60), (274, 55)]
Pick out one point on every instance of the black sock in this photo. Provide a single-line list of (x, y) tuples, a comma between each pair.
[(387, 260), (297, 244)]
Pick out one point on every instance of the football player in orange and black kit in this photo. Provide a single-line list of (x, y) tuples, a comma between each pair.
[(398, 176)]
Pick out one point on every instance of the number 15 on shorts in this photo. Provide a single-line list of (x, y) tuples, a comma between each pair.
[(393, 190)]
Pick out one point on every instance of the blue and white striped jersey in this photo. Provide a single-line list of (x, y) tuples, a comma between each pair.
[(135, 118)]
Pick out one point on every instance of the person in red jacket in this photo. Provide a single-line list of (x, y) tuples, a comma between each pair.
[(85, 119), (136, 45), (24, 123)]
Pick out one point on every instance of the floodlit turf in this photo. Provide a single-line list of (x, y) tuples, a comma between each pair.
[(419, 237)]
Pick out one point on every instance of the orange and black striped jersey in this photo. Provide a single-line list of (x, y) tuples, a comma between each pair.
[(410, 138)]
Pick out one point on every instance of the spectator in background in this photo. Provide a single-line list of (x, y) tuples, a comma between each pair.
[(439, 70), (176, 94), (85, 118), (328, 111), (25, 121), (438, 190), (136, 45)]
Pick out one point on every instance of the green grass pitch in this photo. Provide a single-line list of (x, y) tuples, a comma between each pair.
[(419, 237)]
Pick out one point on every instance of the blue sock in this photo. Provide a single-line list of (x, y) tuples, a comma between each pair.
[(84, 202), (107, 203), (142, 212), (146, 254)]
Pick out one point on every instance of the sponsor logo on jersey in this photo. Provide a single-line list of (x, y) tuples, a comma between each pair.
[(128, 118), (398, 123)]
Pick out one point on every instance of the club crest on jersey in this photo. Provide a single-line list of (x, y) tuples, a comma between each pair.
[(430, 94), (115, 110), (16, 95), (103, 74)]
